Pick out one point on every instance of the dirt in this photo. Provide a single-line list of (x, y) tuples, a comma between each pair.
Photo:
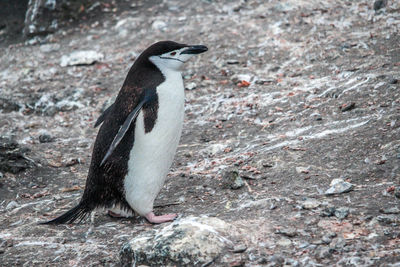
[(292, 94)]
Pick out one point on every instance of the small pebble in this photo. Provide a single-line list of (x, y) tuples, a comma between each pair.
[(342, 212), (232, 61), (328, 212), (233, 179), (310, 203), (284, 242), (289, 232), (45, 138), (191, 86), (239, 248), (326, 239), (348, 106), (278, 259)]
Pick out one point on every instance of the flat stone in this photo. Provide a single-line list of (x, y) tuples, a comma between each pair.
[(232, 61), (339, 186), (239, 248), (391, 210), (87, 57), (310, 203), (47, 48), (191, 86), (289, 232), (284, 242)]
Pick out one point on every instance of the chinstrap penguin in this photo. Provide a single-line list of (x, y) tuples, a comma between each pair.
[(137, 140)]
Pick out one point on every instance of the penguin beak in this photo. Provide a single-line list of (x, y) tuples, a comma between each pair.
[(195, 49)]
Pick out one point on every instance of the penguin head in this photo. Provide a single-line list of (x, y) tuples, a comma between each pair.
[(168, 55)]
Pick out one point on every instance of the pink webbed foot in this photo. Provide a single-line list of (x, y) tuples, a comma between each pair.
[(160, 219)]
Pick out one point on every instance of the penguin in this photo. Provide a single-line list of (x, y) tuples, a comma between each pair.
[(138, 137)]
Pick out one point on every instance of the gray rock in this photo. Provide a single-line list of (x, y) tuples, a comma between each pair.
[(47, 48), (289, 232), (41, 17), (239, 248), (213, 149), (277, 260), (232, 179), (12, 205), (159, 25), (391, 210), (191, 86), (339, 186), (260, 203), (190, 241), (387, 219), (341, 212), (264, 164), (323, 252), (378, 4), (303, 169), (284, 242), (291, 262), (328, 212), (45, 138), (326, 239), (12, 156), (8, 105), (87, 57), (397, 189), (310, 203), (232, 61)]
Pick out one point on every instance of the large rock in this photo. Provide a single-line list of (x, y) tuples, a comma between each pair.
[(43, 16), (190, 241), (40, 18), (12, 156)]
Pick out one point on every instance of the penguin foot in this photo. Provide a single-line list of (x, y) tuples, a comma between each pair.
[(160, 219)]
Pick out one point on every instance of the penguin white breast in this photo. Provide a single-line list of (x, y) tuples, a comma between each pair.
[(153, 152)]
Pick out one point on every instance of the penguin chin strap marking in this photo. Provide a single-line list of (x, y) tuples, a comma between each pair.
[(173, 59)]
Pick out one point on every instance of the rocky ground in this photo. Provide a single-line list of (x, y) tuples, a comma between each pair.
[(291, 96)]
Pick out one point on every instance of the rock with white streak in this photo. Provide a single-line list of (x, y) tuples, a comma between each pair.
[(190, 241)]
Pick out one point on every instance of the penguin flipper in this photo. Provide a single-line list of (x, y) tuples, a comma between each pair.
[(122, 130), (148, 97), (77, 213), (103, 115)]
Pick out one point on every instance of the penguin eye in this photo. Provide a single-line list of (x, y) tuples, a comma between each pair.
[(173, 53)]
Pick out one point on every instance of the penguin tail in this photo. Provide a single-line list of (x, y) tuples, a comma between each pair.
[(80, 212)]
